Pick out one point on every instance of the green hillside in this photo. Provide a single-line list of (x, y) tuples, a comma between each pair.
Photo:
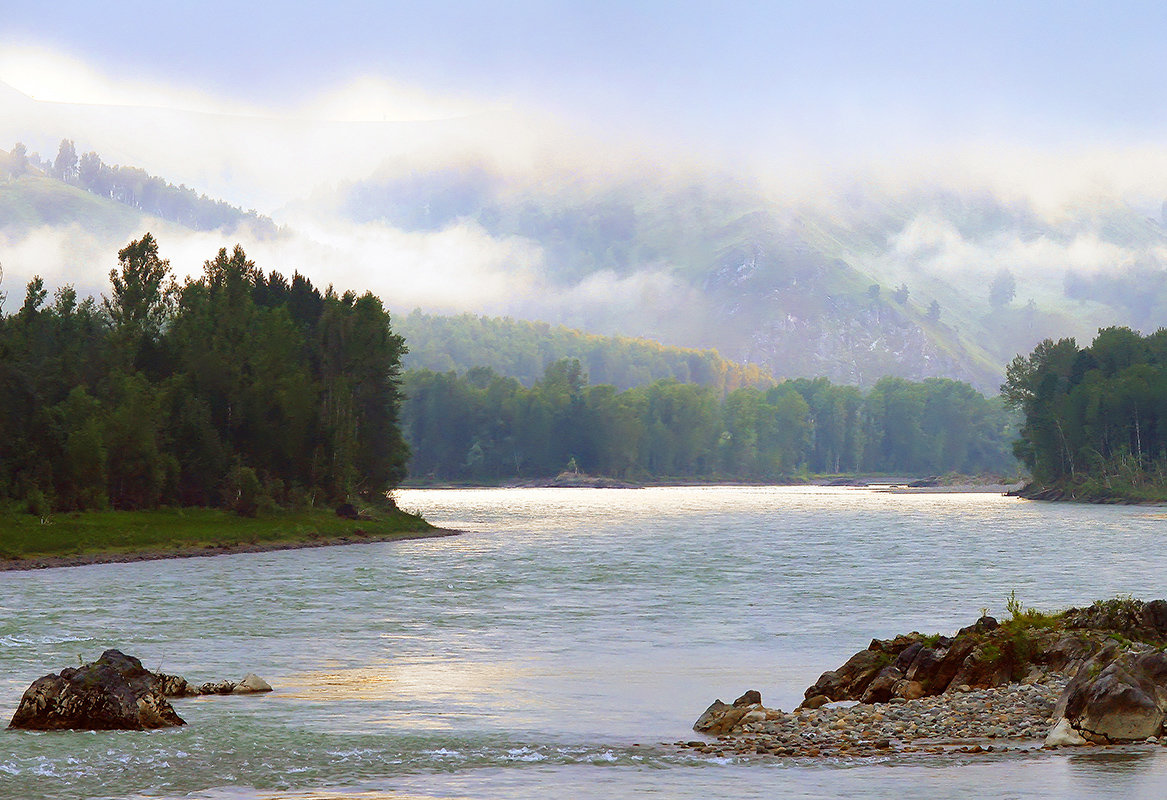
[(33, 201), (104, 198), (523, 350)]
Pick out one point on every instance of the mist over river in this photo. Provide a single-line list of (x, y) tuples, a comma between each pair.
[(552, 649)]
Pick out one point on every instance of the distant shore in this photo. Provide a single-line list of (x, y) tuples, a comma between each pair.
[(879, 483), (1091, 493)]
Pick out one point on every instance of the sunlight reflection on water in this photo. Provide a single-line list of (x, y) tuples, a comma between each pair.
[(526, 657)]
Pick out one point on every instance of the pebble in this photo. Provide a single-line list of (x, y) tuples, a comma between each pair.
[(941, 723)]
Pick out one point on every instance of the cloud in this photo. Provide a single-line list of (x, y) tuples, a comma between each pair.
[(457, 269), (255, 157), (68, 255), (50, 76), (932, 244)]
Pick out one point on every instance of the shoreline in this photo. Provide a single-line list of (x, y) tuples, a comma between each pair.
[(1013, 717), (1062, 494), (886, 485), (206, 551)]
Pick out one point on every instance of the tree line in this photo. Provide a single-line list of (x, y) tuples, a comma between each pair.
[(522, 349), (234, 389), (479, 425), (1095, 417), (136, 188)]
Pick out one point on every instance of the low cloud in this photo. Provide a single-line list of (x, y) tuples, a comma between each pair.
[(457, 269), (933, 244)]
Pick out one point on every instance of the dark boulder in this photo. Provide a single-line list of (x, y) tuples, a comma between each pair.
[(218, 687), (113, 693), (881, 687), (751, 698)]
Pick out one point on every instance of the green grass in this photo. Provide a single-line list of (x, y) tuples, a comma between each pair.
[(23, 536), (32, 201)]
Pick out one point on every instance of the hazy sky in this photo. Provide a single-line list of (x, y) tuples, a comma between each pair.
[(728, 76), (269, 102)]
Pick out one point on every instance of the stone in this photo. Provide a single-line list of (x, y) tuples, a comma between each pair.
[(1124, 702), (113, 693), (818, 701), (175, 685), (880, 689), (851, 680), (1062, 734), (721, 718), (251, 684), (751, 698), (222, 687), (909, 690)]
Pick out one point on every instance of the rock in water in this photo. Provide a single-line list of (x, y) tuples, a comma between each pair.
[(113, 693), (175, 685), (251, 684), (219, 687), (721, 717)]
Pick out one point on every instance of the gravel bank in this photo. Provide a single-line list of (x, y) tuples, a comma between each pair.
[(978, 720)]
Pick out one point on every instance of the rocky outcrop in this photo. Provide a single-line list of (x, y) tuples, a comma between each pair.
[(913, 665), (113, 693), (1109, 658)]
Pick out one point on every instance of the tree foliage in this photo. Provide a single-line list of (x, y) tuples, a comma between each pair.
[(1093, 412), (479, 425), (139, 189), (236, 389), (524, 349)]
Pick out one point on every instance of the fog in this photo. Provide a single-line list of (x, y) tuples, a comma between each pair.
[(281, 160)]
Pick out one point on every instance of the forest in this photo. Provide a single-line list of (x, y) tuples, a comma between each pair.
[(521, 349), (482, 426), (235, 389), (1095, 418)]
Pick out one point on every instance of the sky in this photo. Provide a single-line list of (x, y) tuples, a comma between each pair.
[(739, 78), (263, 104)]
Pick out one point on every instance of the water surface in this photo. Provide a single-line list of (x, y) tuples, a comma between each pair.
[(551, 649)]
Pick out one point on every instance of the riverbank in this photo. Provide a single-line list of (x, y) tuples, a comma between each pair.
[(1095, 491), (101, 537), (1087, 676), (1014, 717)]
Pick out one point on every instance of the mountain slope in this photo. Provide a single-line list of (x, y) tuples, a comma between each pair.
[(523, 350), (710, 263)]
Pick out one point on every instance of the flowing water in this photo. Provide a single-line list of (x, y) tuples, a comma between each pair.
[(551, 649)]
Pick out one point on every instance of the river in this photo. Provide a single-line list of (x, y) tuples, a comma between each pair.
[(551, 650)]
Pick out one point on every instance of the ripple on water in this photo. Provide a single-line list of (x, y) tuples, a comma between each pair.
[(524, 658)]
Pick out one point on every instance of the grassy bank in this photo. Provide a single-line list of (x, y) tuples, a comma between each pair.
[(97, 536), (1149, 488)]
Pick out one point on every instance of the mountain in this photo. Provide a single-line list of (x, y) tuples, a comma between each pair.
[(853, 284), (724, 267)]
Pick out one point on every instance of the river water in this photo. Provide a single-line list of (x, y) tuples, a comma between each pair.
[(551, 649)]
